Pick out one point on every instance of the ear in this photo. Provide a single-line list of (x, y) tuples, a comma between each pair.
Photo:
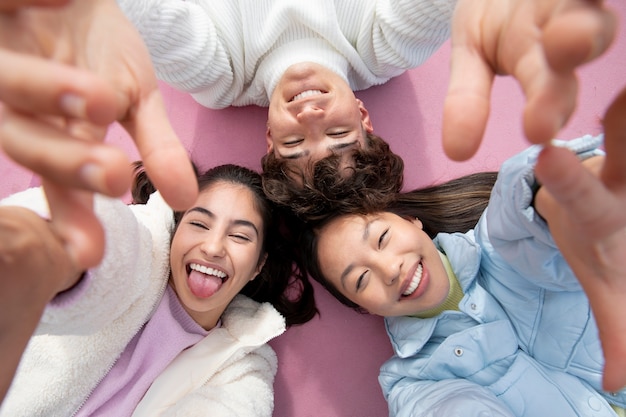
[(259, 266), (417, 222), (269, 139), (365, 117)]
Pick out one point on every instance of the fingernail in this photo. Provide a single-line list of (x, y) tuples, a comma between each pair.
[(94, 177), (74, 105)]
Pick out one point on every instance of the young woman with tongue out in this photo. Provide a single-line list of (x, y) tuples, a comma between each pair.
[(513, 312), (174, 321)]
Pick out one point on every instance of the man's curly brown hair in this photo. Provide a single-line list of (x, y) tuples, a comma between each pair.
[(325, 187)]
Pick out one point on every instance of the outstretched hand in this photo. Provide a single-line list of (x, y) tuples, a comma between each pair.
[(66, 73), (35, 267), (585, 209), (540, 43)]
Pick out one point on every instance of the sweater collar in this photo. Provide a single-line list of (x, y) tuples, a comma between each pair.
[(302, 50)]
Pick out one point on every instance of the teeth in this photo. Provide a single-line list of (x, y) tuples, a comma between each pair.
[(208, 271), (415, 282), (307, 93)]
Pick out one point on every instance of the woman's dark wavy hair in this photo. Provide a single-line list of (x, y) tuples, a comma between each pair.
[(325, 187), (454, 206), (280, 281)]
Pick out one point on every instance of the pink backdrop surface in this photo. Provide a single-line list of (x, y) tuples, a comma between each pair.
[(329, 367)]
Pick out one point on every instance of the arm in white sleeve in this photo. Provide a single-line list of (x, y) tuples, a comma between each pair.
[(137, 246), (405, 33), (188, 50)]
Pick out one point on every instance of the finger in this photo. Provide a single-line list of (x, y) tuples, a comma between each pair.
[(165, 159), (74, 221), (613, 172), (550, 101), (12, 5), (578, 36), (50, 152), (612, 329), (573, 187), (38, 86), (466, 107)]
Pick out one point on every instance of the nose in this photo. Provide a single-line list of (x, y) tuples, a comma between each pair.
[(309, 113), (389, 271), (391, 278), (213, 246)]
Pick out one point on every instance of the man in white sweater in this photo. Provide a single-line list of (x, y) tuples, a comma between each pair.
[(303, 60), (305, 56)]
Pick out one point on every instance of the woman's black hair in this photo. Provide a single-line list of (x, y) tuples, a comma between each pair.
[(280, 281), (454, 206)]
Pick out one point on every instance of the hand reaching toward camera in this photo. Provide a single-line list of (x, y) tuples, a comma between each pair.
[(541, 43), (585, 207), (67, 72)]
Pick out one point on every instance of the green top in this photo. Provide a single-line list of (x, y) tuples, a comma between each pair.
[(454, 296)]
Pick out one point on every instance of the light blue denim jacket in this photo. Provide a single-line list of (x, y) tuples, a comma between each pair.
[(524, 342)]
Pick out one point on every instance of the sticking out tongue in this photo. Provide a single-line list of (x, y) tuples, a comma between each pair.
[(202, 285)]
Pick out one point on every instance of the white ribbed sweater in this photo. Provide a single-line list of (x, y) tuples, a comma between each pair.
[(233, 52)]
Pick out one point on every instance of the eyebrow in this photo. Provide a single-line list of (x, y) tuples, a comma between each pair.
[(335, 147), (236, 222), (296, 155), (364, 238)]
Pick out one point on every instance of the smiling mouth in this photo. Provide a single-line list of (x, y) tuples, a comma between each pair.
[(203, 281), (208, 271), (415, 281), (307, 93)]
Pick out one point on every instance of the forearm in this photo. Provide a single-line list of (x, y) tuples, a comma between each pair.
[(183, 41), (406, 33), (35, 267), (35, 264)]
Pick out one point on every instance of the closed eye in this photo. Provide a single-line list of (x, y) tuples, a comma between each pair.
[(359, 281), (381, 239), (198, 224), (293, 142), (241, 238)]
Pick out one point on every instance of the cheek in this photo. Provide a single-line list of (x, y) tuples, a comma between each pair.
[(274, 122), (174, 247), (179, 244), (332, 256), (248, 258)]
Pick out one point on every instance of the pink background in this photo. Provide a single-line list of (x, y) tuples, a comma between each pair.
[(329, 367)]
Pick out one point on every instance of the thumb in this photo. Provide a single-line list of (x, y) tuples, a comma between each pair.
[(74, 221), (615, 141), (612, 331), (12, 5), (466, 107), (166, 161)]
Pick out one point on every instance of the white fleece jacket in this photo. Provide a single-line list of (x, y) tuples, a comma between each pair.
[(82, 333), (233, 52)]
